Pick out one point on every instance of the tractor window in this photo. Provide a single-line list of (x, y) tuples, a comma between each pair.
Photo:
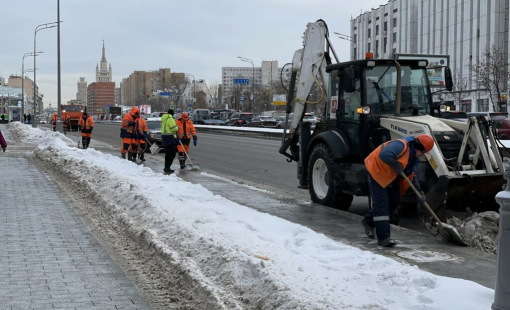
[(381, 86)]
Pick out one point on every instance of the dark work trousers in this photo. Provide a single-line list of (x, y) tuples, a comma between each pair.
[(170, 152), (384, 202)]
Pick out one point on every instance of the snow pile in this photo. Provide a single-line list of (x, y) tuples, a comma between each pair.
[(34, 135), (480, 230), (245, 259)]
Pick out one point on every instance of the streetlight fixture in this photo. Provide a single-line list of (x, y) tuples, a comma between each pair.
[(40, 27), (348, 38), (253, 81), (31, 54)]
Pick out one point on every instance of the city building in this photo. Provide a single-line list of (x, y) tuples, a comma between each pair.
[(28, 85), (2, 81), (265, 75), (464, 30), (103, 71), (100, 95), (118, 96), (135, 88), (81, 95)]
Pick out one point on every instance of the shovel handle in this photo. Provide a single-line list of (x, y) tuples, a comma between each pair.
[(189, 159), (425, 202)]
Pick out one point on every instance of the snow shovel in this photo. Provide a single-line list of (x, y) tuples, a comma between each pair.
[(190, 166), (447, 231), (154, 148)]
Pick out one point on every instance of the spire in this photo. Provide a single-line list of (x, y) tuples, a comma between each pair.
[(104, 57)]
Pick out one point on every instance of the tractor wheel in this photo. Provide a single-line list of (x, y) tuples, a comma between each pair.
[(324, 177)]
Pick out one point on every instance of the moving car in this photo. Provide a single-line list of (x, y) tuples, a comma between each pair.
[(206, 119), (263, 122), (239, 119)]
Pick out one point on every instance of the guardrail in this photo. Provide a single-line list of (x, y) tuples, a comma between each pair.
[(242, 131)]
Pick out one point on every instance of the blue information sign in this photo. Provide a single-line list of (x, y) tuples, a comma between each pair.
[(241, 98), (165, 94), (241, 81)]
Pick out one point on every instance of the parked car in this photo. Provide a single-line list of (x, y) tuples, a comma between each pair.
[(239, 119), (502, 128), (491, 115), (154, 132), (201, 119), (262, 122), (117, 118), (455, 116), (156, 114)]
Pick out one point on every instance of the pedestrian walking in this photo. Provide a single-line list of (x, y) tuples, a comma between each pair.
[(3, 117), (85, 125), (129, 134), (29, 118), (54, 119), (142, 136), (24, 118), (3, 144), (384, 166), (185, 133), (169, 139)]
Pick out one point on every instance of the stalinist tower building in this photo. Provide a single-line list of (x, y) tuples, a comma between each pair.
[(103, 73)]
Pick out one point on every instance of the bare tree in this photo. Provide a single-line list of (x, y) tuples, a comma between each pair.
[(460, 86), (213, 91), (201, 103), (492, 73), (177, 85)]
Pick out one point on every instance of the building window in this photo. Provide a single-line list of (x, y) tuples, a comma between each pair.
[(394, 51), (465, 106), (483, 105), (369, 32), (377, 18), (394, 22), (385, 26), (394, 37), (385, 14), (377, 30), (377, 48), (355, 28), (395, 10), (385, 44), (368, 50), (370, 21)]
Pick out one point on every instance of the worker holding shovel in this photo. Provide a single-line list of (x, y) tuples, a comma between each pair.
[(185, 133), (384, 166)]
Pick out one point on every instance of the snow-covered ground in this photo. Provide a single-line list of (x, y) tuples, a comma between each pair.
[(244, 258)]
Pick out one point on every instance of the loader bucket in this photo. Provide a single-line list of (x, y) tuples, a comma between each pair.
[(458, 193)]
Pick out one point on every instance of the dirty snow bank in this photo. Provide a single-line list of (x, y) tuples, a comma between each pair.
[(246, 259), (480, 230), (35, 135)]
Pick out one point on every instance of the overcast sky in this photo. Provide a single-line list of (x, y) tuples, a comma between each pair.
[(197, 37)]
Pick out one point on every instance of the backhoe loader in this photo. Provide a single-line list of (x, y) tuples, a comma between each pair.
[(371, 101)]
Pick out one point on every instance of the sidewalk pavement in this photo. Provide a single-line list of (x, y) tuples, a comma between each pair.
[(49, 258)]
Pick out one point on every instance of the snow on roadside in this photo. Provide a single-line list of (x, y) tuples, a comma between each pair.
[(480, 230), (245, 258), (34, 135)]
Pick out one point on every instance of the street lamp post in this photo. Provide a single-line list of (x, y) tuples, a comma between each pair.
[(23, 79), (348, 38), (253, 81), (40, 27)]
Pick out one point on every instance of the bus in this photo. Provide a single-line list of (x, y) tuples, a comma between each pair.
[(74, 111)]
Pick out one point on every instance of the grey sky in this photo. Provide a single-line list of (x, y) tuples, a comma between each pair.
[(197, 37)]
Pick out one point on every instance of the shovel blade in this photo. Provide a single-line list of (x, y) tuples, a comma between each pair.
[(154, 149), (192, 167), (450, 234)]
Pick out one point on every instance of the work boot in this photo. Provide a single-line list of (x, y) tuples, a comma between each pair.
[(133, 157), (388, 242), (182, 162), (130, 156), (123, 155), (369, 231), (142, 158), (169, 171)]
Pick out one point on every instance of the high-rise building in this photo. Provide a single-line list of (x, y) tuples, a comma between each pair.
[(103, 71), (81, 95), (134, 89), (117, 96), (28, 85), (464, 30), (100, 95)]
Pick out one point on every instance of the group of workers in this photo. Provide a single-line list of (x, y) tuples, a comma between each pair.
[(176, 136), (85, 126)]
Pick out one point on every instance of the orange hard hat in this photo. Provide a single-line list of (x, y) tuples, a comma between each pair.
[(184, 115), (424, 143)]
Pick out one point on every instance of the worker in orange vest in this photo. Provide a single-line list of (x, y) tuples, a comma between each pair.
[(65, 121), (85, 125), (129, 134), (384, 166), (142, 136), (185, 132), (54, 119)]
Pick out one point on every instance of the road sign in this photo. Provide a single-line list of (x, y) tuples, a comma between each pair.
[(165, 94), (279, 99), (190, 110), (241, 98), (241, 81), (172, 105)]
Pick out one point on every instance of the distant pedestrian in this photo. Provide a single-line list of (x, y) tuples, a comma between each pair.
[(29, 117), (185, 133), (3, 144), (54, 119), (3, 118), (24, 118), (86, 124), (169, 139)]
